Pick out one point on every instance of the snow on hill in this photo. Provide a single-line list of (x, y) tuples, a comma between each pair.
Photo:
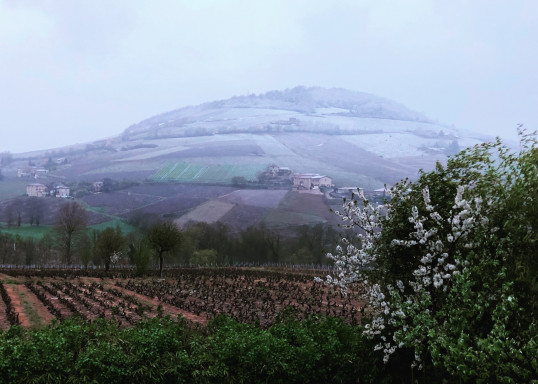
[(356, 138), (317, 109), (380, 126)]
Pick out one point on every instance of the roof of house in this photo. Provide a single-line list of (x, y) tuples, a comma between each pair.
[(308, 175)]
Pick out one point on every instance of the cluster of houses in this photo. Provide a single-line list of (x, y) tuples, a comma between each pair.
[(41, 190), (58, 190), (283, 176), (374, 195), (305, 181), (32, 172)]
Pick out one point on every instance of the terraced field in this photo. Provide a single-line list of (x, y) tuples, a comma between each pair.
[(204, 173)]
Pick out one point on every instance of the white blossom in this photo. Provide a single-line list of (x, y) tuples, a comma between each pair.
[(437, 267)]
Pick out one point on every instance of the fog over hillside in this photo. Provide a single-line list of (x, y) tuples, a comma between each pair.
[(300, 109), (73, 73)]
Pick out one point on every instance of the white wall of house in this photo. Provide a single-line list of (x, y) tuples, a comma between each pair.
[(37, 190)]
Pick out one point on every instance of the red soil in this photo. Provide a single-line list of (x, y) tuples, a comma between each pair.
[(17, 307), (23, 291)]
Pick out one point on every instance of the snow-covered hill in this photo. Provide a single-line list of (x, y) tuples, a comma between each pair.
[(356, 138), (298, 109), (332, 128)]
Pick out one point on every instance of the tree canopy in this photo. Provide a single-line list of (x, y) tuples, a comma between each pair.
[(450, 266), (164, 237), (109, 245)]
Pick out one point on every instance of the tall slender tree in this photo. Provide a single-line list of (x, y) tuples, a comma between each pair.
[(71, 220)]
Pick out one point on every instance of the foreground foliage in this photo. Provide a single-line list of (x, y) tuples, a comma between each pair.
[(319, 350), (451, 266)]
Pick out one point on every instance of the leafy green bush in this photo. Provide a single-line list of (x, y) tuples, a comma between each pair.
[(162, 350), (451, 269)]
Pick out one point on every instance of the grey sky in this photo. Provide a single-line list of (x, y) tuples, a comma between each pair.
[(76, 71)]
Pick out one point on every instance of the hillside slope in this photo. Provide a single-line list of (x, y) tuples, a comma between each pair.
[(356, 138)]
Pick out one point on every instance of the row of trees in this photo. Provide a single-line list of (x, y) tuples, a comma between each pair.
[(110, 245), (71, 241), (21, 210), (161, 241), (451, 271)]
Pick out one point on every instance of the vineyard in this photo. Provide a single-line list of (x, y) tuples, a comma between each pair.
[(34, 298), (200, 173)]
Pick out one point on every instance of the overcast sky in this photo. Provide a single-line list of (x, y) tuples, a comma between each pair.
[(76, 71)]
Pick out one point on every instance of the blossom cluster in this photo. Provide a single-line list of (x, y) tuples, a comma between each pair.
[(352, 257), (395, 307)]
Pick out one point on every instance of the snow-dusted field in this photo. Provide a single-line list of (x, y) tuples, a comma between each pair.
[(390, 145)]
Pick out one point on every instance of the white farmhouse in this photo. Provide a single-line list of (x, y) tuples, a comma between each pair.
[(311, 181), (62, 191)]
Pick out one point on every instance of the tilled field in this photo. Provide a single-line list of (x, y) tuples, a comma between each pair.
[(34, 299)]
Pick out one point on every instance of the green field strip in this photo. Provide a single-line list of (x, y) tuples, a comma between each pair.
[(179, 168), (190, 172), (26, 231), (199, 173), (216, 173)]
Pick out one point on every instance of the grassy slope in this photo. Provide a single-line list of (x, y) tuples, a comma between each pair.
[(300, 208), (340, 158), (10, 188), (26, 231)]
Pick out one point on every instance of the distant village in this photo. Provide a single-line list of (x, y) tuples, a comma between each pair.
[(54, 189), (283, 176), (274, 176)]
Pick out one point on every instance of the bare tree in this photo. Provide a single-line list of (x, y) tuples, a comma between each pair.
[(46, 248), (14, 211), (9, 215), (35, 207), (71, 220), (7, 248)]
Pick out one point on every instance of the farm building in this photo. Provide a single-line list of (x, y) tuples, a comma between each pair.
[(23, 172), (36, 189), (310, 181), (62, 191), (97, 186), (347, 190), (31, 172), (382, 191)]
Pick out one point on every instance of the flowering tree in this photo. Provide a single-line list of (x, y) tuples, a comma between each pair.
[(450, 265)]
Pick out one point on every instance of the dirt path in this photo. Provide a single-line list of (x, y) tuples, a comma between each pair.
[(17, 306), (4, 323), (32, 308), (32, 312)]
